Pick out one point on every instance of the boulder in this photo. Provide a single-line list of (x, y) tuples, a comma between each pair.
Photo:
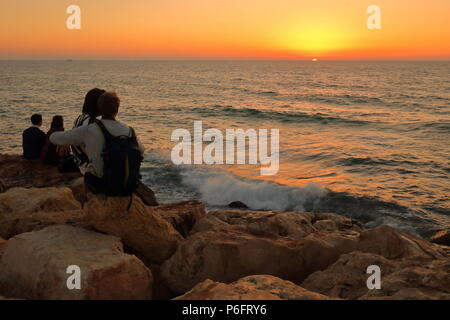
[(237, 205), (140, 227), (441, 237), (228, 253), (182, 216), (35, 264), (347, 277), (396, 244), (255, 287), (15, 171), (23, 201), (430, 281), (11, 226)]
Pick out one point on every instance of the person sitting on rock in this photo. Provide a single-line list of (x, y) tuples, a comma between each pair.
[(88, 115), (33, 139), (52, 154), (113, 149)]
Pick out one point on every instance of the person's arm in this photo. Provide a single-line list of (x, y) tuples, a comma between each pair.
[(140, 145), (74, 137)]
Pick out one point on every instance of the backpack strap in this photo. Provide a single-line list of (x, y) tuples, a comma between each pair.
[(108, 136)]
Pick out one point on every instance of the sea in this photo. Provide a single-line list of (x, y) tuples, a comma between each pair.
[(366, 139)]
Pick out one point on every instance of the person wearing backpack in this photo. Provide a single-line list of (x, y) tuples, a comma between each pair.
[(113, 149), (88, 115)]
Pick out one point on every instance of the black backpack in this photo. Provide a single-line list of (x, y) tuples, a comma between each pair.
[(122, 162)]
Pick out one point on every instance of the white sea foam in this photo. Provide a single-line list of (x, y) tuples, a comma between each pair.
[(219, 188)]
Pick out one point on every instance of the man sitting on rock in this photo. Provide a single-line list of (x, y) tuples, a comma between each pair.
[(33, 139), (114, 151)]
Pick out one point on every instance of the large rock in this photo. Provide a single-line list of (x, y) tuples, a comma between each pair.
[(15, 171), (347, 277), (12, 226), (256, 287), (396, 244), (182, 216), (430, 281), (23, 201), (140, 227), (285, 245), (34, 266)]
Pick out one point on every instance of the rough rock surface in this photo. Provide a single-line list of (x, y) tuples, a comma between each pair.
[(23, 201), (256, 287), (182, 216), (430, 281), (347, 277), (285, 245), (34, 266), (395, 244), (15, 171), (228, 245), (12, 226), (140, 228)]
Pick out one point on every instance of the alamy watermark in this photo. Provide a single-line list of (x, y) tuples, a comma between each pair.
[(374, 280), (74, 280), (230, 148), (374, 20)]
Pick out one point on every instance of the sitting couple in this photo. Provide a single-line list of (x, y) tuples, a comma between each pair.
[(36, 145)]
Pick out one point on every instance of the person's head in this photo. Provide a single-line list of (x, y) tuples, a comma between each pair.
[(90, 102), (36, 119), (108, 105), (57, 123)]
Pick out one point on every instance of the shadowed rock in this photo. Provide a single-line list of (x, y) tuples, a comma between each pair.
[(182, 216), (2, 247), (238, 205), (15, 171), (441, 237)]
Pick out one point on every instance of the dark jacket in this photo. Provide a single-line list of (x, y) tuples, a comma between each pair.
[(33, 139), (48, 153)]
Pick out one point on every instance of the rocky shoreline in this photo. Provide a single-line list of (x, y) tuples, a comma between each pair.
[(177, 251)]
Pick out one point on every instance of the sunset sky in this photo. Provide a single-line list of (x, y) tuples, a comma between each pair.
[(199, 29)]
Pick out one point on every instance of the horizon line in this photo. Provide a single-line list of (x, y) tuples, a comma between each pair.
[(224, 59)]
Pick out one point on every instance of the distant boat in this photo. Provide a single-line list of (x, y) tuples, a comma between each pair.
[(69, 60)]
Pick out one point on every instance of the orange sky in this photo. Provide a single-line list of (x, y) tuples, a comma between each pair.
[(327, 29)]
